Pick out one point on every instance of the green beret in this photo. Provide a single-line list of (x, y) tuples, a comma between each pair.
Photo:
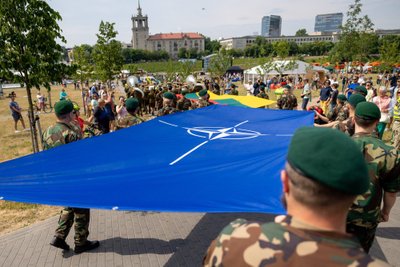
[(342, 97), (288, 87), (63, 107), (368, 110), (361, 89), (169, 95), (203, 92), (329, 157), (131, 104), (354, 99)]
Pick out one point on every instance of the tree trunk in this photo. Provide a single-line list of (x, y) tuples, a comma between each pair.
[(35, 144)]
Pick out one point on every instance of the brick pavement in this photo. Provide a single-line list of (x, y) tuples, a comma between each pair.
[(150, 239)]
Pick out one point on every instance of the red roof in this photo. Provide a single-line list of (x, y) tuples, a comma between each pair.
[(175, 36)]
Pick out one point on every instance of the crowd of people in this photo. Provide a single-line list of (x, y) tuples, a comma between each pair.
[(338, 183)]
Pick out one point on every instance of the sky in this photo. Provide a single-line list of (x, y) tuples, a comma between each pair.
[(212, 18)]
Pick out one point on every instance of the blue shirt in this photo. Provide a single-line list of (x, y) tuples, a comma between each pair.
[(325, 93)]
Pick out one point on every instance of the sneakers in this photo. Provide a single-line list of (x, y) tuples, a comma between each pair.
[(59, 243), (16, 131), (27, 130), (89, 245)]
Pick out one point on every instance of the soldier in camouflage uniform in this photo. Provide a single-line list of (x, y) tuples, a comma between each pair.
[(204, 99), (262, 93), (234, 91), (64, 132), (384, 172), (287, 101), (317, 196), (132, 118), (184, 103), (168, 104)]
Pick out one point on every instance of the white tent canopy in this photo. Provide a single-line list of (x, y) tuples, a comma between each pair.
[(301, 69)]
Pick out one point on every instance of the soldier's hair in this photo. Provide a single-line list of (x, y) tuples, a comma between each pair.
[(62, 117), (363, 122), (313, 194)]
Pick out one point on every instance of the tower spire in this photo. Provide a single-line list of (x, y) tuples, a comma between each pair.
[(139, 9)]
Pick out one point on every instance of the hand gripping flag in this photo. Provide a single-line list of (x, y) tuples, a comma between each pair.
[(215, 159)]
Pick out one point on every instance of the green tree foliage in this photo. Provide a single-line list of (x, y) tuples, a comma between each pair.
[(29, 52), (356, 41), (136, 55), (220, 63), (211, 46), (301, 32), (83, 59), (188, 53), (107, 52), (389, 49), (281, 49)]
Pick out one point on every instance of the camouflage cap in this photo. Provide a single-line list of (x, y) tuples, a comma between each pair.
[(354, 99), (169, 95), (342, 97), (368, 110), (131, 104), (63, 107), (338, 163), (203, 92)]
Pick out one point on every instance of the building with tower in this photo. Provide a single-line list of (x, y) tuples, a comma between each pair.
[(169, 42), (140, 30), (271, 26)]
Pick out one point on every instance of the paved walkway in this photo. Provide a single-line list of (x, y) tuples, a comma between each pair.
[(151, 239)]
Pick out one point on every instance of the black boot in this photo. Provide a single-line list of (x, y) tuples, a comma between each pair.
[(59, 243), (89, 245)]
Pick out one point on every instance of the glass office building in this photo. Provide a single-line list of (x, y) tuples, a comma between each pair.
[(328, 22), (271, 26)]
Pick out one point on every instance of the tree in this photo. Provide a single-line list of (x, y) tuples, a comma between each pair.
[(355, 38), (107, 52), (211, 46), (220, 63), (301, 32), (29, 52), (281, 49), (389, 50), (82, 58)]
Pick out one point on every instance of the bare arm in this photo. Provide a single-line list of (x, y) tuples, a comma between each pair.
[(388, 202)]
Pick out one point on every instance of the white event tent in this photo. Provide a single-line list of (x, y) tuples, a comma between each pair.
[(301, 68)]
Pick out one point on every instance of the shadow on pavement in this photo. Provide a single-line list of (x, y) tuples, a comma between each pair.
[(388, 232), (207, 229)]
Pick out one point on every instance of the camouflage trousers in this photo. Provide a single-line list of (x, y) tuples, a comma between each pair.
[(396, 134), (365, 235), (68, 216)]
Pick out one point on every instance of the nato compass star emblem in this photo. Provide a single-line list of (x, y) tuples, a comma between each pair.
[(218, 133)]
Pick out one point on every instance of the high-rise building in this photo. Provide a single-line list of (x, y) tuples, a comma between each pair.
[(271, 26), (328, 22)]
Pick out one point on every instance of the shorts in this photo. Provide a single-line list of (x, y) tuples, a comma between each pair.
[(16, 116)]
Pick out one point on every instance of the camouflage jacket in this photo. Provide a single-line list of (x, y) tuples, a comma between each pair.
[(339, 113), (286, 242), (203, 103), (263, 95), (129, 120), (166, 110), (287, 102), (184, 104), (60, 134), (384, 170)]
